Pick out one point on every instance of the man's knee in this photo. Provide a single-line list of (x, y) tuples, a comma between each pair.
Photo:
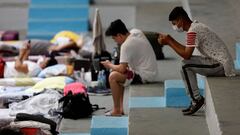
[(184, 62), (113, 76), (116, 77)]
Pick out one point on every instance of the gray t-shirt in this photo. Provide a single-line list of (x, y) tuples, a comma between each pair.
[(137, 52), (210, 45)]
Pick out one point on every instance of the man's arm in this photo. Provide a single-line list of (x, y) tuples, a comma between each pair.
[(183, 51), (23, 55), (61, 47), (121, 68)]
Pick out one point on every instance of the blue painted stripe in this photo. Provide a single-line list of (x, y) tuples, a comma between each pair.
[(109, 131), (74, 133), (58, 20), (50, 13), (59, 1), (238, 51), (43, 37), (56, 6), (147, 102), (57, 26), (47, 17)]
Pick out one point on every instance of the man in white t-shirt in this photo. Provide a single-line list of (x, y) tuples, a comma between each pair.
[(215, 59), (137, 62)]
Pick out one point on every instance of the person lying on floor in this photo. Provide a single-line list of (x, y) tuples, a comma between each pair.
[(62, 42), (22, 67)]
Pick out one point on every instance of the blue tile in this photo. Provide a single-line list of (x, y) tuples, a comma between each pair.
[(237, 61), (238, 52), (146, 102), (237, 65), (48, 17), (102, 125), (55, 2), (175, 93), (57, 13), (74, 133)]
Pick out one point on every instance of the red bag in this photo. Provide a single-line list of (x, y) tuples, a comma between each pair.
[(2, 65), (75, 87)]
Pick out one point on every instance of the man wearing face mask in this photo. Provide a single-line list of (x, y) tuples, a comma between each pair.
[(215, 59)]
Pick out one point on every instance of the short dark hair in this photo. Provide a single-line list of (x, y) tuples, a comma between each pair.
[(178, 12), (116, 27), (52, 61)]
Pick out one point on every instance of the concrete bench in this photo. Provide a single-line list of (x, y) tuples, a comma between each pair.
[(103, 125), (223, 105), (175, 93), (148, 114), (146, 96)]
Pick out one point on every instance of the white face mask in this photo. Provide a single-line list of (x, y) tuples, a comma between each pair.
[(177, 29)]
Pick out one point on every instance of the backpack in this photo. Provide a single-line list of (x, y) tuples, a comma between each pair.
[(76, 106)]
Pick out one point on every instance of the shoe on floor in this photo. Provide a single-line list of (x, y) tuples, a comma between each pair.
[(187, 109), (194, 108)]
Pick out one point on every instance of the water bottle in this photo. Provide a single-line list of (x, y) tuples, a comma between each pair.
[(99, 79), (115, 56), (82, 74), (103, 79)]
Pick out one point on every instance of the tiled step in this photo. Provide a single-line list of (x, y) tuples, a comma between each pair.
[(175, 92), (103, 125)]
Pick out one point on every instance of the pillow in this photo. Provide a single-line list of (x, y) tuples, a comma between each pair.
[(58, 82), (19, 81), (55, 70)]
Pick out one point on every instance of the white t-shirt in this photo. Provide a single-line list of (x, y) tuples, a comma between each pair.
[(210, 45), (10, 71), (137, 52)]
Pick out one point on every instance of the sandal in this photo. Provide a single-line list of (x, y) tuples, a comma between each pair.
[(114, 115), (111, 111)]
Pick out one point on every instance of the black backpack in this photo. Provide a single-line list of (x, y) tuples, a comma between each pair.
[(77, 106)]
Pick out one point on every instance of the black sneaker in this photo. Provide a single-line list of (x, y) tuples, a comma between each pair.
[(196, 107), (187, 109)]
